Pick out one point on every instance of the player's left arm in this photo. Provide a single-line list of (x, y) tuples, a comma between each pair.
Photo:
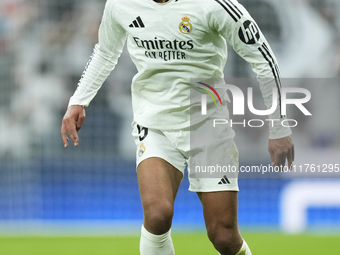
[(281, 149), (231, 20)]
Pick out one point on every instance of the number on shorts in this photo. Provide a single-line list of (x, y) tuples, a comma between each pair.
[(141, 138)]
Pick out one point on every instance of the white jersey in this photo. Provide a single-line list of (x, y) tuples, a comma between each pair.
[(170, 43)]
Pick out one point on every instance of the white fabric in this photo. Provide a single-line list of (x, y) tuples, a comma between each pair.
[(166, 57), (208, 148), (244, 249), (151, 244)]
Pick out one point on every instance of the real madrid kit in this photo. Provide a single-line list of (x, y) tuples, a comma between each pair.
[(170, 43)]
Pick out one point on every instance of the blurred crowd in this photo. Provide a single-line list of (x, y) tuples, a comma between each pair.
[(44, 46)]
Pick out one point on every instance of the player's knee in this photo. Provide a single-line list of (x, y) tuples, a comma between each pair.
[(220, 240), (158, 216), (225, 238)]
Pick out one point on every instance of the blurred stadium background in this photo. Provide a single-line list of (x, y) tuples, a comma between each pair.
[(48, 190)]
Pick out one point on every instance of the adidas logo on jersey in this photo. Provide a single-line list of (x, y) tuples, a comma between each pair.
[(224, 180), (137, 23)]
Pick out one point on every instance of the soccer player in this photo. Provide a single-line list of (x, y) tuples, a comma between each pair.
[(171, 41)]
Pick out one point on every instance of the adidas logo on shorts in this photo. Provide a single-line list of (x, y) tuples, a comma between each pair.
[(224, 180)]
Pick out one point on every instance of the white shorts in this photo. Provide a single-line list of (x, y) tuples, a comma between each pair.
[(201, 154)]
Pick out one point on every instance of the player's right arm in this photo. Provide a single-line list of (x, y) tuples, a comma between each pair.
[(71, 124), (111, 39)]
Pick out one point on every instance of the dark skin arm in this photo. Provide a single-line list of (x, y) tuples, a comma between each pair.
[(280, 150), (71, 124)]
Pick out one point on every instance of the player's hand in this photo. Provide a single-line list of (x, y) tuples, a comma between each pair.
[(280, 150), (71, 124)]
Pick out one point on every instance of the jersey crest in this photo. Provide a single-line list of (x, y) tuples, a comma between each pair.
[(185, 26), (141, 149)]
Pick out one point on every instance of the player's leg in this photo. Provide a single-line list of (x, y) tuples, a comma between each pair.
[(160, 168), (220, 215), (213, 175), (158, 184)]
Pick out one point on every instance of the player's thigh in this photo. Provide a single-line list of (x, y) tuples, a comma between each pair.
[(160, 166), (220, 209), (158, 181), (160, 169)]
